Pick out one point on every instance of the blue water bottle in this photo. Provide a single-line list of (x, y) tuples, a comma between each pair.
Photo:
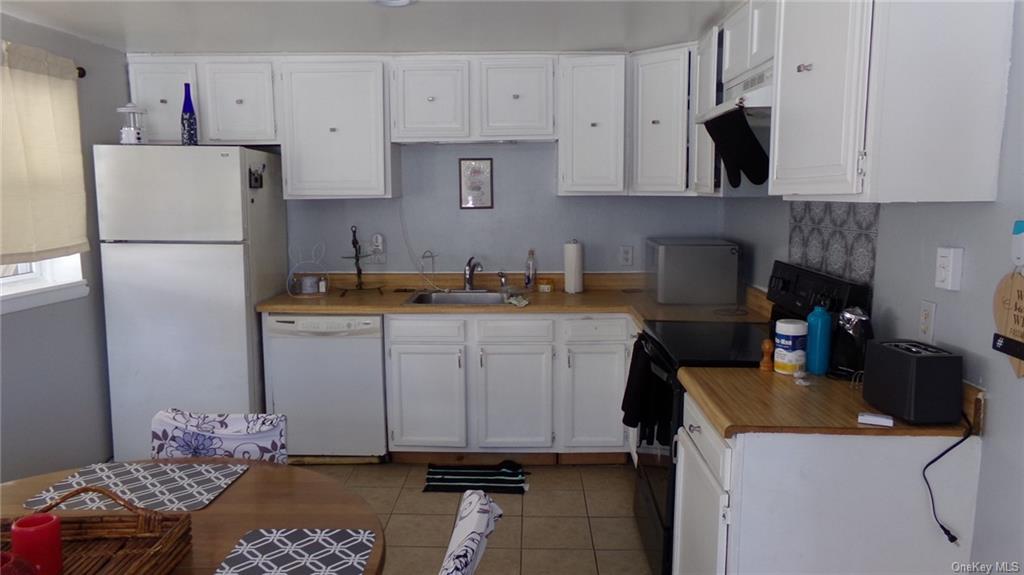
[(819, 340)]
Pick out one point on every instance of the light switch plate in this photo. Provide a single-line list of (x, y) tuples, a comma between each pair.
[(926, 326), (948, 268)]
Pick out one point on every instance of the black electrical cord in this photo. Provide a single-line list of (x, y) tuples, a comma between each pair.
[(924, 473)]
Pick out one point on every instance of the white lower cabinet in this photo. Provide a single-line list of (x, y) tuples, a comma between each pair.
[(595, 382), (426, 395), (501, 383), (701, 538), (515, 396), (816, 503)]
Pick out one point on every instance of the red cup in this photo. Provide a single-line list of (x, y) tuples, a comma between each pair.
[(36, 538), (11, 564)]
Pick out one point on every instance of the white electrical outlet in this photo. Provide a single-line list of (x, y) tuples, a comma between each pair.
[(926, 325), (378, 254), (625, 255)]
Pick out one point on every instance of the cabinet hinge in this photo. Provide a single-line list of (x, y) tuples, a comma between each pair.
[(552, 437), (726, 516), (392, 435), (861, 158), (389, 353)]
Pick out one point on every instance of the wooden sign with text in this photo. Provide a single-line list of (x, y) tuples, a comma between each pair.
[(1008, 308)]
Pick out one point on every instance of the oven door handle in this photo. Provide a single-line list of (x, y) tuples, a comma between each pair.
[(675, 449)]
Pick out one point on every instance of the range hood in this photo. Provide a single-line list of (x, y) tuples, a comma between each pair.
[(739, 123)]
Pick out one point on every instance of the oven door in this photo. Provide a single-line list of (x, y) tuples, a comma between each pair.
[(654, 497)]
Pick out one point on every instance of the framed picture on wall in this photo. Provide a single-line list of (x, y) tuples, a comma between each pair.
[(476, 183)]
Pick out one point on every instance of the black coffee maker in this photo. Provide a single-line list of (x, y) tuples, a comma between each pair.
[(850, 340)]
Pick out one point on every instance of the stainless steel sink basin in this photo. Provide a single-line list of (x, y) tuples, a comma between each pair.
[(458, 298)]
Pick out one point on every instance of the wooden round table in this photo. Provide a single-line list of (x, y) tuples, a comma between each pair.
[(265, 496)]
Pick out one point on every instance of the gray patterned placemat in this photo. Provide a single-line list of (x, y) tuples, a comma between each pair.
[(300, 552), (156, 486)]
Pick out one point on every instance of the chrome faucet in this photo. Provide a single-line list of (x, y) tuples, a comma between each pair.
[(471, 268)]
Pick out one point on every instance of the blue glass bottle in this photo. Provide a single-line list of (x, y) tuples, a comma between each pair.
[(189, 131), (819, 340)]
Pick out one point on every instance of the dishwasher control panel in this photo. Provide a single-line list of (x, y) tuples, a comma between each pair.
[(324, 324)]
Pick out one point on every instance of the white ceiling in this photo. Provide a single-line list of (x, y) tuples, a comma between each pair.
[(359, 26)]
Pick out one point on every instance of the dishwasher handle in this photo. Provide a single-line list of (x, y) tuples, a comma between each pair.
[(324, 326)]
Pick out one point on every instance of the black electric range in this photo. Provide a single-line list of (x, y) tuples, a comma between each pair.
[(671, 345)]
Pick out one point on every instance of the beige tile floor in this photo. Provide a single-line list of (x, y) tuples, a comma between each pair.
[(574, 520)]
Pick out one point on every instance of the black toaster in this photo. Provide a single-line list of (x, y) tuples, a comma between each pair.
[(914, 381)]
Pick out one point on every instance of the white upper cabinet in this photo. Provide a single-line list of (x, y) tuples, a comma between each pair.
[(703, 89), (159, 87), (762, 31), (849, 119), (736, 43), (820, 97), (238, 101), (334, 140), (429, 99), (659, 98), (591, 130), (516, 96)]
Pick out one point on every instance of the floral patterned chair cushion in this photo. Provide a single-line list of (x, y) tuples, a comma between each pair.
[(477, 516), (256, 436)]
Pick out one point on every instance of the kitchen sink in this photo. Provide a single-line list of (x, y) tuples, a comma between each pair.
[(458, 298)]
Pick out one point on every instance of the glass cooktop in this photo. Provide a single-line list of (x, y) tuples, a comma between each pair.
[(710, 344)]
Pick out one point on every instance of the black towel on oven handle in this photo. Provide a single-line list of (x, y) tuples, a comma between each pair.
[(647, 401)]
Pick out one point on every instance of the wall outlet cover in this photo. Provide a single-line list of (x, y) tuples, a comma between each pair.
[(626, 255), (926, 325)]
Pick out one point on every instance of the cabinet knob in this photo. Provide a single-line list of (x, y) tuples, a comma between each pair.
[(804, 67), (693, 428), (655, 122), (430, 98), (239, 101), (163, 100), (332, 130), (593, 124), (515, 96)]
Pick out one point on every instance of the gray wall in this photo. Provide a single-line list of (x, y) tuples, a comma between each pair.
[(527, 214), (761, 227), (54, 405), (907, 238)]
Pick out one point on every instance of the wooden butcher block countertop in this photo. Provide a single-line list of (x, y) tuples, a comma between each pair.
[(748, 400), (639, 305)]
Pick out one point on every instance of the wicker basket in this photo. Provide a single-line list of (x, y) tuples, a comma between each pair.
[(141, 542)]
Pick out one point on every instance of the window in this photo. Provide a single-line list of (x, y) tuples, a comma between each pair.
[(28, 285), (42, 184)]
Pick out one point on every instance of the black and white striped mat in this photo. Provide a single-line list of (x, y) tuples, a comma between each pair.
[(505, 477)]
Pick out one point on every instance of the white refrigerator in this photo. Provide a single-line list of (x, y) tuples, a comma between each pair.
[(191, 238)]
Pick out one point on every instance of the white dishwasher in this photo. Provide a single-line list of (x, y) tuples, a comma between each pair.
[(326, 374)]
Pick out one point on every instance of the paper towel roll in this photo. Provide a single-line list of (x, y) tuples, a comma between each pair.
[(573, 267)]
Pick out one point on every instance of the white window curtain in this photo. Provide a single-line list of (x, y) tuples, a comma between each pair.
[(42, 189)]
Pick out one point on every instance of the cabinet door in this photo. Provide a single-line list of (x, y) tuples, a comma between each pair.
[(516, 96), (762, 31), (334, 130), (736, 44), (590, 146), (427, 395), (659, 120), (239, 101), (704, 90), (430, 99), (514, 396), (596, 377), (160, 89), (701, 512), (820, 97)]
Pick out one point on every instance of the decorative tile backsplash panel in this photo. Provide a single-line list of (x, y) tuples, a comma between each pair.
[(837, 238)]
